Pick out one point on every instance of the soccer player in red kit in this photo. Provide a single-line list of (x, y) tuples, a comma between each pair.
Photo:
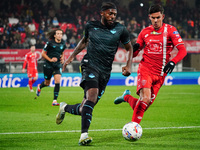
[(30, 59), (158, 40)]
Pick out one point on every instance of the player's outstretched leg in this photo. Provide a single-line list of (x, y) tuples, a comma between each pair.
[(85, 139), (61, 114), (120, 99)]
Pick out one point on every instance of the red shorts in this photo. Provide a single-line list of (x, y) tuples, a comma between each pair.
[(148, 80), (32, 72)]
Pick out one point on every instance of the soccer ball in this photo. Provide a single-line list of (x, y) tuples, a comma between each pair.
[(132, 131)]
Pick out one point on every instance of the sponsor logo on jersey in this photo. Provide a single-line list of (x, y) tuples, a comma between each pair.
[(146, 35), (175, 32), (156, 33), (180, 40), (113, 31), (85, 60)]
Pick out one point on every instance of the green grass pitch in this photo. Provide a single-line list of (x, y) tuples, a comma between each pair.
[(171, 123)]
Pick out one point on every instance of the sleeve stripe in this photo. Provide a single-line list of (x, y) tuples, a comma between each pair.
[(127, 42)]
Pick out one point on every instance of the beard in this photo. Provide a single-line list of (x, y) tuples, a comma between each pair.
[(108, 25)]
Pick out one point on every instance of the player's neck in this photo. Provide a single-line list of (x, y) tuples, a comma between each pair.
[(57, 41), (159, 28)]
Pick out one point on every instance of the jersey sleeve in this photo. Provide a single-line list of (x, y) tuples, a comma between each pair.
[(25, 62), (86, 31), (175, 37), (125, 37), (140, 40), (46, 47)]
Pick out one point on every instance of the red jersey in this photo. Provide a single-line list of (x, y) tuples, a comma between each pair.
[(157, 46), (30, 58)]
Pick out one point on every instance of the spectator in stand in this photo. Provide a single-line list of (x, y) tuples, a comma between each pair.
[(27, 29), (26, 43), (55, 22), (39, 44), (72, 42), (3, 45), (32, 40), (14, 45), (32, 27), (2, 64), (17, 35)]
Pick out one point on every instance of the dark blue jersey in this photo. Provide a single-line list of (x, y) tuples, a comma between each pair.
[(54, 49), (103, 44)]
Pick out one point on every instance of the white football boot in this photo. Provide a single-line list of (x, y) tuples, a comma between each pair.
[(61, 114)]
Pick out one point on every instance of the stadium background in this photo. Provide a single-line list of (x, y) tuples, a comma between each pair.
[(172, 122), (25, 22)]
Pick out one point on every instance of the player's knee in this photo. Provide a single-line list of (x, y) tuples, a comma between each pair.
[(146, 99), (47, 83)]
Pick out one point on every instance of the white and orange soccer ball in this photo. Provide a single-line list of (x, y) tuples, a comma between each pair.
[(132, 131)]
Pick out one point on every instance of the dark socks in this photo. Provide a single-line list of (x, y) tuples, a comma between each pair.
[(42, 85), (86, 116), (73, 109), (56, 90)]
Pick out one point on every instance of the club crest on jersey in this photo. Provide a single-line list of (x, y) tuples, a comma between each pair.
[(91, 75), (113, 31), (61, 47), (54, 46), (96, 28), (156, 33)]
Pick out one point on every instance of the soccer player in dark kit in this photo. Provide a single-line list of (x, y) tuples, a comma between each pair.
[(53, 55), (102, 39)]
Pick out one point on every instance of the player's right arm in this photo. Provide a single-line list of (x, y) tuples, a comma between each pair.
[(44, 53), (81, 45), (138, 46), (45, 56), (25, 62)]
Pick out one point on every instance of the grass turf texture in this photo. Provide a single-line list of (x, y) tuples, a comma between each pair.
[(26, 123)]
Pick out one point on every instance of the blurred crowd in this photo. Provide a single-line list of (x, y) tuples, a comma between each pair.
[(26, 22)]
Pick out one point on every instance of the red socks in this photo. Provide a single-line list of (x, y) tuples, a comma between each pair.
[(131, 100), (30, 84), (33, 81), (139, 110)]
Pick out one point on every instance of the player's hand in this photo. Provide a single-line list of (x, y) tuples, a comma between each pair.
[(126, 71), (62, 60), (136, 46), (23, 70), (68, 61), (169, 67), (54, 59)]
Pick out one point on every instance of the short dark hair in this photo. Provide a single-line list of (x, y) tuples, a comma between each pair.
[(108, 5), (156, 8)]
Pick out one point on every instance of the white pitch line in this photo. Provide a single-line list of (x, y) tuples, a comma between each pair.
[(96, 130)]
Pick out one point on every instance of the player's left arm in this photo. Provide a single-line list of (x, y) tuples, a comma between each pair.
[(62, 58), (178, 42), (125, 39), (126, 70)]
